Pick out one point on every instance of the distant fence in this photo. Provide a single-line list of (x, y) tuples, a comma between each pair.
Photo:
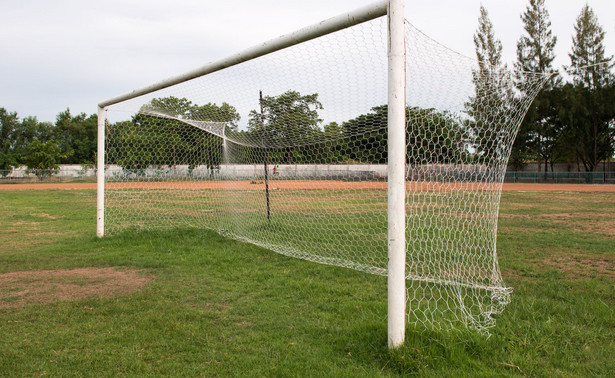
[(47, 175), (354, 173), (561, 177)]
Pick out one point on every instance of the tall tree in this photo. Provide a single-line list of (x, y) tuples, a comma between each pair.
[(28, 130), (538, 133), (8, 122), (535, 50), (335, 149), (76, 136), (590, 114), (211, 112), (493, 96), (289, 120), (179, 141), (432, 137), (366, 136), (589, 66)]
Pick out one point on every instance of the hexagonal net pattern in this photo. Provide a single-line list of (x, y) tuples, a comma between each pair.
[(289, 151)]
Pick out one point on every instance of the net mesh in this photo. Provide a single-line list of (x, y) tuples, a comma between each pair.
[(289, 151)]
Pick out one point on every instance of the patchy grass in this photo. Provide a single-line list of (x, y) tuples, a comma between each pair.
[(18, 289), (211, 306)]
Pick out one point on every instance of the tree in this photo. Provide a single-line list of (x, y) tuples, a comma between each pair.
[(432, 137), (163, 134), (538, 133), (129, 144), (435, 137), (43, 156), (589, 66), (211, 112), (189, 144), (367, 136), (490, 107), (28, 130), (76, 136), (335, 148), (8, 122), (535, 51), (289, 124), (589, 115), (7, 162)]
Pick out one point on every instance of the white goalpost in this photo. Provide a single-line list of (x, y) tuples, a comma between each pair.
[(358, 142), (396, 175)]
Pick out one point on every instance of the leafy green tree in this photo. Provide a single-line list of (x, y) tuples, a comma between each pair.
[(289, 125), (490, 106), (211, 112), (8, 122), (76, 136), (432, 137), (435, 137), (28, 130), (172, 106), (189, 144), (163, 134), (7, 162), (589, 120), (156, 140), (538, 134), (129, 145), (334, 148), (367, 136), (589, 114), (45, 156), (208, 148)]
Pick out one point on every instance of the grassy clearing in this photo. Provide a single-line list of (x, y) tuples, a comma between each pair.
[(219, 307)]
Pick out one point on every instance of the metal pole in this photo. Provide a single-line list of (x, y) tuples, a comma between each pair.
[(266, 158), (396, 175), (100, 175)]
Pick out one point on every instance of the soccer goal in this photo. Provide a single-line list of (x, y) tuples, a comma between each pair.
[(358, 142)]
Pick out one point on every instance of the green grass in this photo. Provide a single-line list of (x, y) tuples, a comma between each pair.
[(218, 307)]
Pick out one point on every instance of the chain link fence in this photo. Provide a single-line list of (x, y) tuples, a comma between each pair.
[(560, 177), (89, 175)]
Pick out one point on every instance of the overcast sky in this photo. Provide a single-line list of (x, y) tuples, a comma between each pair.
[(76, 53)]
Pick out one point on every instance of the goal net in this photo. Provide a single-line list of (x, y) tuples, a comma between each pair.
[(289, 151)]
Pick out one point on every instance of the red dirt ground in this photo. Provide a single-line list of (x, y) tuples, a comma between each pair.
[(307, 184)]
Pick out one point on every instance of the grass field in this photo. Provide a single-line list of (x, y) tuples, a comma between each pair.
[(190, 302)]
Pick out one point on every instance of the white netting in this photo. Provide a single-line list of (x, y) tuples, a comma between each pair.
[(302, 168)]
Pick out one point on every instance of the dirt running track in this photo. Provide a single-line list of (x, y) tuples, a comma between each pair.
[(308, 184)]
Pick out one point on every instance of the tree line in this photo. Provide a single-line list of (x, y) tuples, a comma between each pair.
[(572, 119), (45, 145)]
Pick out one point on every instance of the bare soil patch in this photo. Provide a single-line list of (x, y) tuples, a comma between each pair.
[(583, 267), (18, 289), (45, 215)]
